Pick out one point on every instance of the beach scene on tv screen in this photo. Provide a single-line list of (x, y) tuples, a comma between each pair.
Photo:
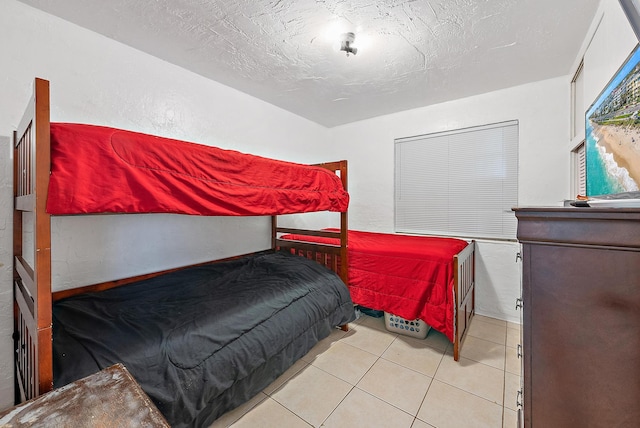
[(613, 134)]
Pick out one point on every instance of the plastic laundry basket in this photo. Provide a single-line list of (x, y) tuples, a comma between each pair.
[(415, 328)]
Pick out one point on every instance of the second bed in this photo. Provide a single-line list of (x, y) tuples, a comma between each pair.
[(414, 277)]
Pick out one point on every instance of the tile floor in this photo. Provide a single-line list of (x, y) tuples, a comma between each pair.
[(371, 377)]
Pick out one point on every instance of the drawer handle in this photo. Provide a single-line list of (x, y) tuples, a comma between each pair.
[(519, 347), (519, 399)]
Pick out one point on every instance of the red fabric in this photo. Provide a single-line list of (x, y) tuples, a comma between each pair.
[(409, 276), (96, 169)]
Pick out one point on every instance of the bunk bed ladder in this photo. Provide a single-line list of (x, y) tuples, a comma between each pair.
[(333, 257), (32, 270)]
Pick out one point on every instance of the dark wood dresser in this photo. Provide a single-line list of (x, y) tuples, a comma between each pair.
[(581, 319)]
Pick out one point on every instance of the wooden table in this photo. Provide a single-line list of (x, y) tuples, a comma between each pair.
[(109, 398)]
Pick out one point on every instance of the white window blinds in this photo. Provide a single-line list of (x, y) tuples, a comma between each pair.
[(460, 183)]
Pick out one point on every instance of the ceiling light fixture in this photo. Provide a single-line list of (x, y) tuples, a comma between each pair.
[(346, 43)]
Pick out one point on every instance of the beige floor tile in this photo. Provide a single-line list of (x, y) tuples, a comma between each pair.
[(490, 320), (510, 419), (369, 339), (270, 414), (470, 376), (360, 409), (420, 424), (437, 340), (319, 387), (512, 363), (514, 325), (312, 394), (513, 337), (397, 385), (488, 331), (415, 354), (511, 388), (483, 351), (374, 322), (295, 368), (448, 407), (230, 417), (345, 362), (323, 345)]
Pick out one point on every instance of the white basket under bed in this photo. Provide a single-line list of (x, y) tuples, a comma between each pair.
[(414, 328)]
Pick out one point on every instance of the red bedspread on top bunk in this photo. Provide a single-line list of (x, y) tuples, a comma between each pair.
[(409, 276), (97, 169)]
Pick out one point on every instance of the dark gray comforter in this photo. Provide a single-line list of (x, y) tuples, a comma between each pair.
[(204, 340)]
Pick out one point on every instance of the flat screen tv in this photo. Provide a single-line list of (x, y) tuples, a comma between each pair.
[(613, 133)]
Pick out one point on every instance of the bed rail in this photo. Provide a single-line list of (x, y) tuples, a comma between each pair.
[(106, 285), (325, 254), (32, 273), (464, 279)]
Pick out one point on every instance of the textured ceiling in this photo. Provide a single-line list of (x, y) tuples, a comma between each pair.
[(411, 53)]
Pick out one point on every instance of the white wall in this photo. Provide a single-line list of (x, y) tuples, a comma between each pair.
[(6, 273), (542, 110), (100, 81), (97, 80)]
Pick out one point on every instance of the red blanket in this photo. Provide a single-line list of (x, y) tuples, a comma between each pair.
[(409, 276), (99, 170)]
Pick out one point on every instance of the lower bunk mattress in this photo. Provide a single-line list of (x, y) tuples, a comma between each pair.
[(406, 275), (203, 340)]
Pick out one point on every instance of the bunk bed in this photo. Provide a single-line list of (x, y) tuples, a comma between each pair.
[(414, 277), (201, 339)]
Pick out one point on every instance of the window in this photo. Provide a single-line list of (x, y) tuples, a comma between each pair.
[(578, 165), (458, 183), (577, 103), (579, 169)]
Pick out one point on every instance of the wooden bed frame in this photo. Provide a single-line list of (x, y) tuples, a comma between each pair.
[(328, 255), (464, 280), (464, 274), (33, 297)]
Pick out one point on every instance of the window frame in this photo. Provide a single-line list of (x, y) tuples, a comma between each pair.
[(493, 219)]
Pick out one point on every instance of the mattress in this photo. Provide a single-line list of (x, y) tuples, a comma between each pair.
[(96, 169), (409, 276), (204, 340)]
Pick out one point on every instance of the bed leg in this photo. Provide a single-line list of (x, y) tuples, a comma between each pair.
[(464, 298), (344, 327)]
